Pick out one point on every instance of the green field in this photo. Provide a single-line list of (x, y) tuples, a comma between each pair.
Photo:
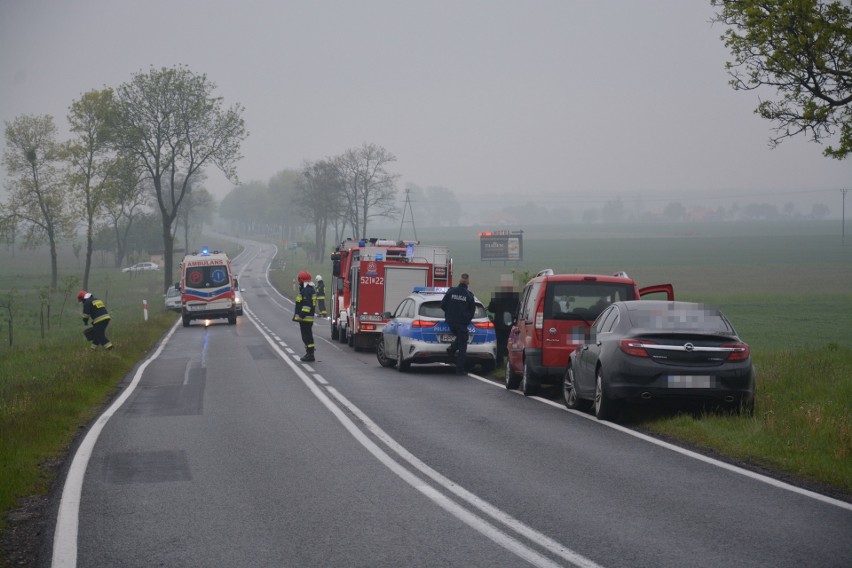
[(786, 288)]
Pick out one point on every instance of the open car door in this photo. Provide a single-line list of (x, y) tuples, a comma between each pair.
[(666, 289)]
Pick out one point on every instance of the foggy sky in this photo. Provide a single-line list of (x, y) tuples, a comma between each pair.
[(584, 100)]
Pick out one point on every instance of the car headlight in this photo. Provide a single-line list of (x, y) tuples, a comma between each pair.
[(238, 300)]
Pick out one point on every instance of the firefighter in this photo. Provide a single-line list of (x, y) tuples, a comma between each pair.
[(95, 310), (459, 306), (304, 313), (321, 297)]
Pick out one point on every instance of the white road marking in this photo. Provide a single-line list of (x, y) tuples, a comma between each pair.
[(465, 515), (688, 453), (68, 519)]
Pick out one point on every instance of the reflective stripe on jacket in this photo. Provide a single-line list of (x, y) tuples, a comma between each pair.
[(305, 302), (95, 310)]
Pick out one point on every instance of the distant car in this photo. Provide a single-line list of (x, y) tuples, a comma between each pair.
[(140, 266), (417, 333), (173, 301), (648, 350)]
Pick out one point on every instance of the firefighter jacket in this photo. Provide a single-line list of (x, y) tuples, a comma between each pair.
[(458, 305), (305, 302), (95, 310), (320, 290)]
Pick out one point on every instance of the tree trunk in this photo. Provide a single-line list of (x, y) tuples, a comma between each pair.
[(88, 267), (168, 254), (54, 264)]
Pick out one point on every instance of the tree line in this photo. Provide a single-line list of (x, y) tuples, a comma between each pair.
[(140, 146), (340, 195)]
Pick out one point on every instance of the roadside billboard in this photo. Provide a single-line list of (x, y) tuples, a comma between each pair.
[(501, 245)]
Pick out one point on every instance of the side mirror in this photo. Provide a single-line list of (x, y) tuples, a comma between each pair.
[(387, 315)]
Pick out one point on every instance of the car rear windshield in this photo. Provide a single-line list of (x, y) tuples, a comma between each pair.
[(433, 310), (679, 318), (583, 300), (206, 276)]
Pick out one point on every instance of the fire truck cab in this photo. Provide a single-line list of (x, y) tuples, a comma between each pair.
[(372, 276)]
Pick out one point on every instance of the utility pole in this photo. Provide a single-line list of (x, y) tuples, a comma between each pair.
[(407, 207)]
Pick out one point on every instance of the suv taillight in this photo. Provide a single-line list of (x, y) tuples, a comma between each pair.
[(539, 320)]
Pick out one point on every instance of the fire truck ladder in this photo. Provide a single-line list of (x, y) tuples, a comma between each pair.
[(407, 207)]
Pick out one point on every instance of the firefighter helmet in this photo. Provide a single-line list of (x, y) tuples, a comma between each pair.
[(81, 295), (304, 277)]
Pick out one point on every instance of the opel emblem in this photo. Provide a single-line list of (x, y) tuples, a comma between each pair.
[(689, 346)]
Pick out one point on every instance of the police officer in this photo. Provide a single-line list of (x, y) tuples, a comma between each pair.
[(304, 313), (95, 310), (459, 306), (321, 297)]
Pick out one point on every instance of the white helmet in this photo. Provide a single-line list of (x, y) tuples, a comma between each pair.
[(319, 278)]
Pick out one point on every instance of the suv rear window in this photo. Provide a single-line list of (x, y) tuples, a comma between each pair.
[(583, 300)]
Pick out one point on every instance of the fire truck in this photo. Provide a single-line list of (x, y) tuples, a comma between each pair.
[(372, 276)]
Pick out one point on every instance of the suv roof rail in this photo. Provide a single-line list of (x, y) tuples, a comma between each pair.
[(545, 272)]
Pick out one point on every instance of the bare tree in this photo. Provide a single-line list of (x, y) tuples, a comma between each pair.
[(196, 209), (169, 120), (129, 195), (320, 195), (36, 199), (369, 188)]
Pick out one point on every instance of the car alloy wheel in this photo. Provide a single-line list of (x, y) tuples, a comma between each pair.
[(381, 354), (605, 408), (569, 392), (401, 364)]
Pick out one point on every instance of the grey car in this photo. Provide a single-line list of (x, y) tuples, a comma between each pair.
[(644, 350)]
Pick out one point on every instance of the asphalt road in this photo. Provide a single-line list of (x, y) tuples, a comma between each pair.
[(227, 451)]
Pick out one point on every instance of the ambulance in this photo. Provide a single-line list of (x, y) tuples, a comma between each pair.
[(207, 287)]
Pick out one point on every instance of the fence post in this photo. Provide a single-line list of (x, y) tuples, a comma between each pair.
[(145, 308)]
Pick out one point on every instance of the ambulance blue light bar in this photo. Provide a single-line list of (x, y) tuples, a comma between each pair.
[(430, 290), (205, 251)]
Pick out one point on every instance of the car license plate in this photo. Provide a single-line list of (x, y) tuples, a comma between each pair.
[(196, 307), (691, 382), (447, 338)]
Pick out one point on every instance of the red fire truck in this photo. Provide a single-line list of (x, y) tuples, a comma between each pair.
[(372, 276)]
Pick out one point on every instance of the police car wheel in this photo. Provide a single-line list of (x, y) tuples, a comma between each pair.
[(401, 364)]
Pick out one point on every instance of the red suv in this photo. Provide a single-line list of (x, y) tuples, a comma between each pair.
[(554, 315)]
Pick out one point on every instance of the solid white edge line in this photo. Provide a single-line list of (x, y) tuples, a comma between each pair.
[(67, 522), (477, 523), (689, 453)]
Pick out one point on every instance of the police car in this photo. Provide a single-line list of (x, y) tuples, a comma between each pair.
[(417, 333)]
